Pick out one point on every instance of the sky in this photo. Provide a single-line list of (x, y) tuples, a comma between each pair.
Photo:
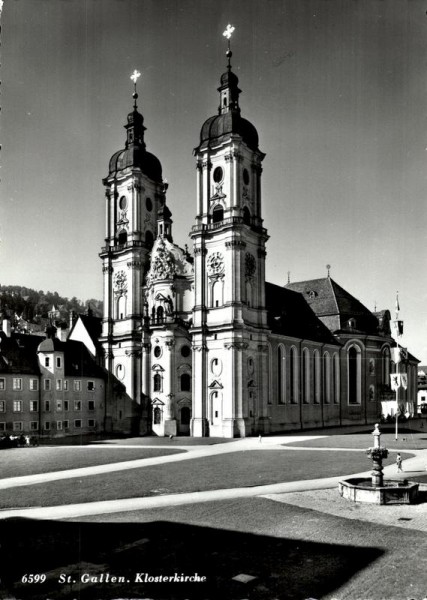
[(337, 90)]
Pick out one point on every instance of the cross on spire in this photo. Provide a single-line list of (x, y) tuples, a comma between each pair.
[(135, 76), (227, 34)]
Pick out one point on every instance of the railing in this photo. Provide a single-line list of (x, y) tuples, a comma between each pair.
[(226, 222), (120, 247)]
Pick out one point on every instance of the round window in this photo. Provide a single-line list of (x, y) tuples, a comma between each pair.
[(185, 351), (245, 177), (123, 202), (149, 204), (120, 372), (218, 175), (157, 351)]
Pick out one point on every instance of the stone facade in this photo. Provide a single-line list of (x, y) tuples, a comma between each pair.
[(199, 342)]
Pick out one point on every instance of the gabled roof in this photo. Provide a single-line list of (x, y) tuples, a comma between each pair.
[(93, 326), (327, 299), (289, 314)]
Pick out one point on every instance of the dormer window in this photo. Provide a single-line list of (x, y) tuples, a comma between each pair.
[(352, 323)]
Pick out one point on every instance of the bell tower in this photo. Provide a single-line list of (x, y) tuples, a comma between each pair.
[(229, 317), (134, 192)]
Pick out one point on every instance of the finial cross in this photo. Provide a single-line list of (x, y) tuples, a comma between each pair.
[(135, 76), (228, 31)]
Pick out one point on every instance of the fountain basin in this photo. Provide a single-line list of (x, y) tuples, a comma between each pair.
[(393, 491)]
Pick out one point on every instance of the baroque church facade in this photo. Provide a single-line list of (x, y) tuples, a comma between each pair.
[(197, 342)]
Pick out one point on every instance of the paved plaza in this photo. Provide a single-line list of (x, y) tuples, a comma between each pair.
[(292, 537)]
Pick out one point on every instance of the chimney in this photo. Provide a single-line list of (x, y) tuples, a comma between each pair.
[(62, 334), (73, 318)]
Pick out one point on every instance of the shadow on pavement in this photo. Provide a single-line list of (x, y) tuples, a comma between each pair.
[(280, 567)]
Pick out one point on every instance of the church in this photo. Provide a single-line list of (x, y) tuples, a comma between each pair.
[(194, 340)]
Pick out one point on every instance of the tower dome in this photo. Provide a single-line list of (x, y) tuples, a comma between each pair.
[(228, 121), (134, 155)]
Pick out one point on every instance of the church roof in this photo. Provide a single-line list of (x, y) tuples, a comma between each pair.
[(290, 314), (327, 299)]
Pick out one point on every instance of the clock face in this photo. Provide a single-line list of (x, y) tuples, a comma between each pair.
[(250, 264), (120, 280), (216, 262)]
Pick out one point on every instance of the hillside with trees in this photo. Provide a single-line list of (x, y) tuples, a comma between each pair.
[(32, 309)]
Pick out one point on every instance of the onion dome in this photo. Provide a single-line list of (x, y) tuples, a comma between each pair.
[(135, 155), (228, 121)]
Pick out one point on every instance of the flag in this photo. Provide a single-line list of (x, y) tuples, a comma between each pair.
[(404, 380), (395, 355), (397, 328), (395, 381), (397, 303)]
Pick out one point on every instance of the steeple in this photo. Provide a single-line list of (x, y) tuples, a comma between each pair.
[(228, 90), (135, 121), (134, 154), (228, 121)]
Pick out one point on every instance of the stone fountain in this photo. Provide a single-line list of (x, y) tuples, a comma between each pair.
[(375, 490)]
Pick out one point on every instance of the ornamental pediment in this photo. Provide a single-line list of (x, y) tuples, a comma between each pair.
[(157, 368), (216, 385), (157, 402)]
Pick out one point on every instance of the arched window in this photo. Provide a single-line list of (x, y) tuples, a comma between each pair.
[(157, 383), (306, 376), (185, 415), (123, 237), (157, 416), (185, 382), (217, 214), (246, 216), (316, 376), (149, 239), (217, 299), (160, 314), (121, 307), (281, 375), (336, 379), (294, 375), (354, 375), (326, 378)]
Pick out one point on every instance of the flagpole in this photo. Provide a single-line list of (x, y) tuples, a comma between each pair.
[(397, 365), (397, 390)]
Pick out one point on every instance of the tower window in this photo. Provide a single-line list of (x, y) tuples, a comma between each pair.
[(123, 238), (185, 382), (217, 214), (245, 177), (218, 173), (157, 383), (185, 351), (246, 216), (149, 239), (149, 204)]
